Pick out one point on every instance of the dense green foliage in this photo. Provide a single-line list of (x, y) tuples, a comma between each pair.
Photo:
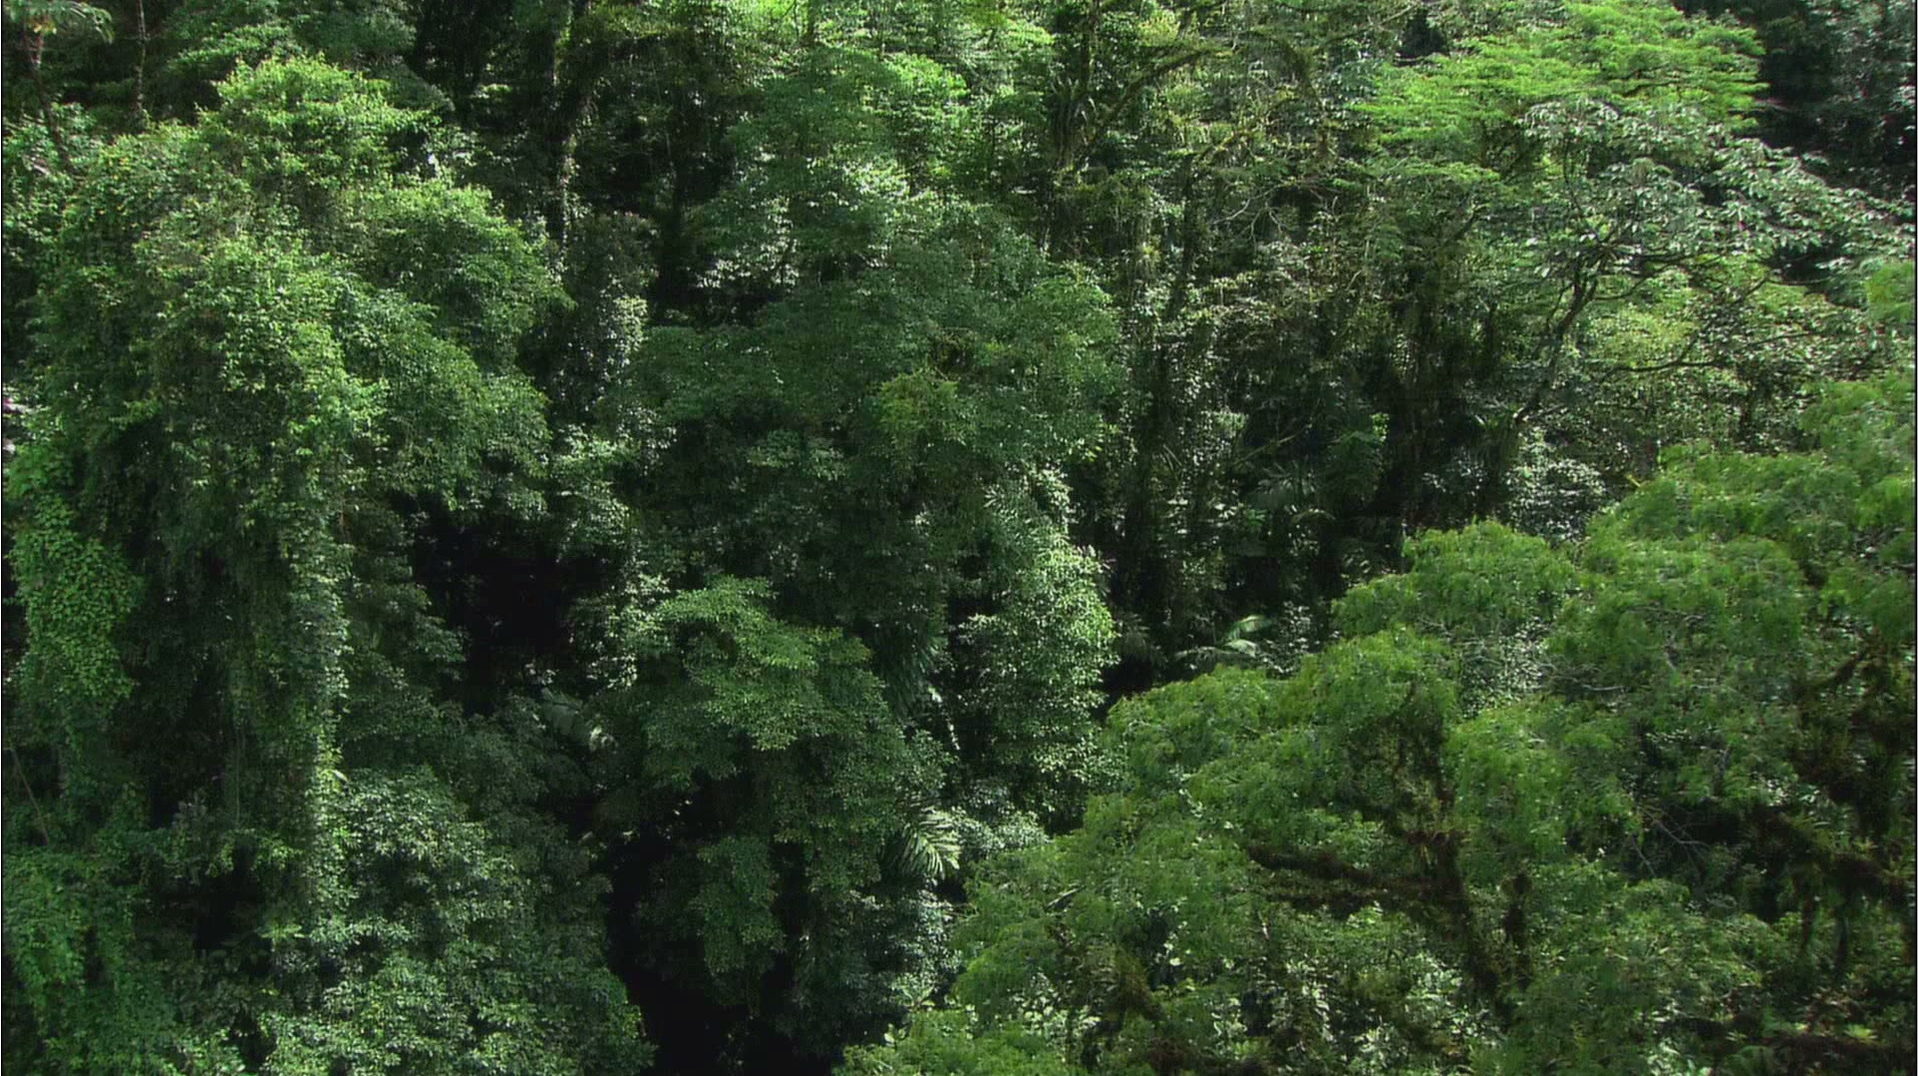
[(1030, 536), (1639, 806)]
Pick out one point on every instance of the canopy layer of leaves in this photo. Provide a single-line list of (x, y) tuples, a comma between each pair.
[(598, 537), (1643, 808)]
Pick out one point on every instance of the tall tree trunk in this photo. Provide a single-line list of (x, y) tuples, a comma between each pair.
[(140, 65), (36, 44), (1145, 570)]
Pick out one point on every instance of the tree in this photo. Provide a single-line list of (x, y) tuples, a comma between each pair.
[(261, 836), (1630, 806)]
